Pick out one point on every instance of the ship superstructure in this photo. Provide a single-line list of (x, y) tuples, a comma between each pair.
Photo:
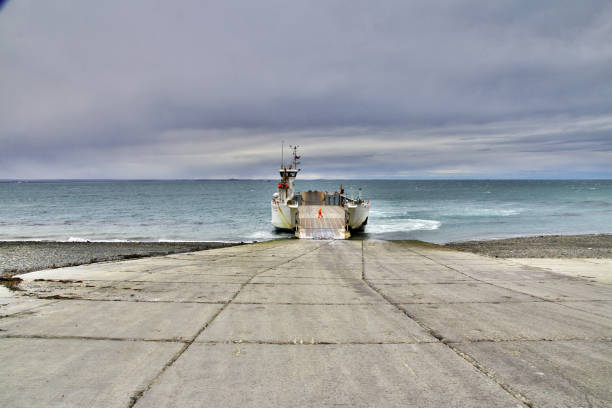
[(315, 214)]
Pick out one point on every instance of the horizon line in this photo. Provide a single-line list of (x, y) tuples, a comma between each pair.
[(14, 180)]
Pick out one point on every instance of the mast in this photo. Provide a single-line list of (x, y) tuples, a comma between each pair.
[(295, 157)]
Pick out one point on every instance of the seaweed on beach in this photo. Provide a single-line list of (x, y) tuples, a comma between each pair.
[(11, 283)]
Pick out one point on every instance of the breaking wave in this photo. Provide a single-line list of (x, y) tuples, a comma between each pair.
[(376, 227), (480, 212), (259, 235), (77, 239), (80, 239)]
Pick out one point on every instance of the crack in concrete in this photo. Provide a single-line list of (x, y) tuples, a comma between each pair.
[(294, 342), (542, 299), (312, 342), (309, 303), (68, 298), (492, 302), (362, 262), (492, 375), (206, 302), (28, 310), (94, 338), (593, 340), (348, 278), (488, 373), (301, 284), (184, 282), (134, 398)]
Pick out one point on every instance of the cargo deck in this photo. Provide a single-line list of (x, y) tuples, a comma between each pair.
[(315, 214), (331, 224)]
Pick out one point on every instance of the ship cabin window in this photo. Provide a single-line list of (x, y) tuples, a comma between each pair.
[(292, 174)]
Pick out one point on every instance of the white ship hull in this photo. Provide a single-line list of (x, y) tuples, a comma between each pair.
[(358, 215), (315, 214), (283, 216)]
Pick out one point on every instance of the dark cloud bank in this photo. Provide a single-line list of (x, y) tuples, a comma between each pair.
[(419, 89)]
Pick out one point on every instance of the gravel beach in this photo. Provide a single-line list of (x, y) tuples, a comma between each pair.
[(26, 256), (543, 246)]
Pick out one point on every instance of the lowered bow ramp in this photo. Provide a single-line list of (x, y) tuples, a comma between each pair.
[(331, 224)]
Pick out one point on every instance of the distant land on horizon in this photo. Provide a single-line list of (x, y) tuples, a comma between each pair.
[(303, 179)]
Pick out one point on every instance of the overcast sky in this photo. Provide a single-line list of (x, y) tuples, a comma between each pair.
[(370, 89)]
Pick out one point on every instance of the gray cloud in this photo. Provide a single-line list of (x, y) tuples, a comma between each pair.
[(392, 89)]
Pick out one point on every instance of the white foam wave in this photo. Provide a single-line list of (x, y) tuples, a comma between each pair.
[(170, 241), (80, 239), (106, 240), (402, 226), (77, 239), (480, 212), (262, 235), (177, 240)]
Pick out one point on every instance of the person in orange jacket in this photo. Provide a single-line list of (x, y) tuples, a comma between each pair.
[(320, 213)]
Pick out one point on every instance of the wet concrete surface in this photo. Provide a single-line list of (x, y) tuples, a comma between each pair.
[(307, 323)]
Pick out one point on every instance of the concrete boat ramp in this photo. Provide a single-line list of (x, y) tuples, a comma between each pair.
[(307, 323)]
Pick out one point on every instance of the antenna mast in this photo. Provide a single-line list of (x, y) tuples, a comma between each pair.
[(295, 157)]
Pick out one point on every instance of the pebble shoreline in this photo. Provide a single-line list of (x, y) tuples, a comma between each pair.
[(26, 256), (543, 246)]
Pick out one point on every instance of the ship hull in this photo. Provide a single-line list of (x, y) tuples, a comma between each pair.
[(358, 216), (315, 214), (284, 217)]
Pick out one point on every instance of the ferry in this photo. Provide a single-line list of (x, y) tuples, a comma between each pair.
[(315, 214)]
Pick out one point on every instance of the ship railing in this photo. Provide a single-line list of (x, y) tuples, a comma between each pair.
[(351, 200)]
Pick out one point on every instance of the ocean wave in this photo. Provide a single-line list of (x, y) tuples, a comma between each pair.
[(446, 211), (77, 239), (170, 241), (403, 226), (480, 212), (258, 235), (80, 239)]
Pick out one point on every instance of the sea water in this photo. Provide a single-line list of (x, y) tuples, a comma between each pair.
[(239, 210)]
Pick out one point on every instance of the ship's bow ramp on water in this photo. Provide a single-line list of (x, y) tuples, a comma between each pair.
[(322, 222), (315, 214)]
